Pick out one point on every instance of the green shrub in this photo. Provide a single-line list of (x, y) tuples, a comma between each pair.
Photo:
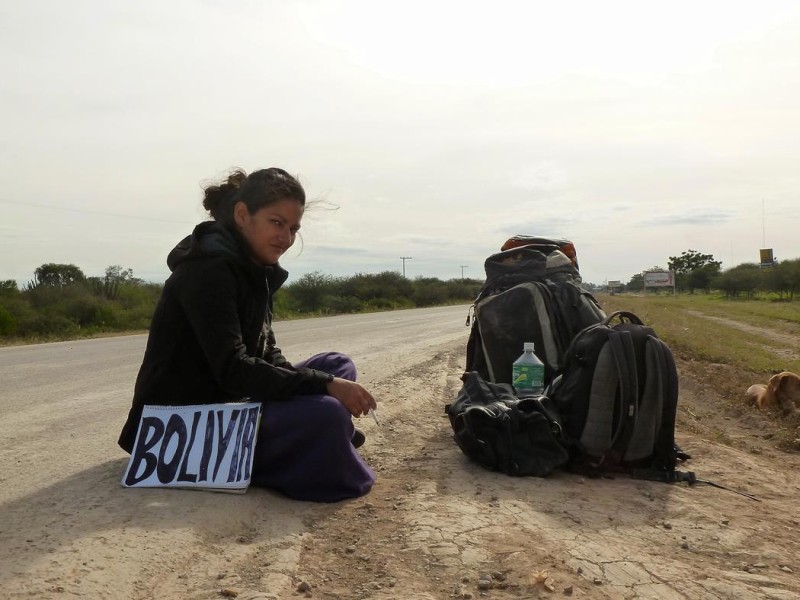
[(8, 324)]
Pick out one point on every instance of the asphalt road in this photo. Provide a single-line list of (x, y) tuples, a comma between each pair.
[(51, 394)]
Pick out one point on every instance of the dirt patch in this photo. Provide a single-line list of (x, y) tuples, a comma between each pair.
[(437, 526)]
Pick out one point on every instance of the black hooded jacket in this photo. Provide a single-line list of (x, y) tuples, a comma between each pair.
[(211, 338)]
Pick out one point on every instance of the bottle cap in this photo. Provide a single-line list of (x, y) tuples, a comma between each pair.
[(528, 346)]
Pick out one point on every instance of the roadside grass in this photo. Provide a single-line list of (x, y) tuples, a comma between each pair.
[(727, 345), (48, 339), (683, 323)]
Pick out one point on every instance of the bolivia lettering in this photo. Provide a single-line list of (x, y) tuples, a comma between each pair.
[(205, 447)]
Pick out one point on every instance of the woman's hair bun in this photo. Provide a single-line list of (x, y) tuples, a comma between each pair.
[(217, 196)]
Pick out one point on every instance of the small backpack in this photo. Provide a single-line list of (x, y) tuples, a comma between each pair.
[(617, 396), (530, 295), (504, 433)]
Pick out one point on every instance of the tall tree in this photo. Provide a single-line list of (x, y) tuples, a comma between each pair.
[(57, 275), (691, 260), (118, 274), (694, 270)]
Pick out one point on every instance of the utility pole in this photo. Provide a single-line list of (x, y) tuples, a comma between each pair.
[(404, 259), (462, 270)]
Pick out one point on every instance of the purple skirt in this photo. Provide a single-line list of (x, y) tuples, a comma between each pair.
[(304, 447)]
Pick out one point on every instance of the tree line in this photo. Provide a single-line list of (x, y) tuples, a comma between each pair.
[(61, 302), (695, 271)]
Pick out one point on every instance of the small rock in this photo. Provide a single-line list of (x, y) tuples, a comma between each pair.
[(667, 525), (685, 545), (726, 522), (498, 576), (786, 569), (580, 571), (597, 581), (303, 587), (568, 590), (461, 594), (228, 593), (484, 584), (350, 549)]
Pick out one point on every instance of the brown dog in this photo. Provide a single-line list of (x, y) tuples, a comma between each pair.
[(782, 391)]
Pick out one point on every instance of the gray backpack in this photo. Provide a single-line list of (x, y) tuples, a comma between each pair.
[(617, 396), (530, 295)]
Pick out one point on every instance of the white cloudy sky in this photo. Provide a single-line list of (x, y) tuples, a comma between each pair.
[(636, 129)]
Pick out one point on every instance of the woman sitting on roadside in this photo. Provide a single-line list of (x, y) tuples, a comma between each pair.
[(211, 341)]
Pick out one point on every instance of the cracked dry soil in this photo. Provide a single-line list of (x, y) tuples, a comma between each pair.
[(435, 525)]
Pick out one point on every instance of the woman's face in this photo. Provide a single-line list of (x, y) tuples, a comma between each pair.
[(271, 230)]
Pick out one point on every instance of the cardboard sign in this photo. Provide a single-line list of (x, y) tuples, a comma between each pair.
[(208, 446)]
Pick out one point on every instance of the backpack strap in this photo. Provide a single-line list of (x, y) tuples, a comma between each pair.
[(665, 454), (644, 444), (681, 476), (722, 487), (621, 344), (611, 403), (622, 315), (665, 476)]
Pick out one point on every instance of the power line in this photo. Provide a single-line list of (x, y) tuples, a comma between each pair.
[(462, 270)]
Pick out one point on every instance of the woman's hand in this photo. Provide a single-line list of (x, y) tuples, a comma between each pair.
[(352, 395)]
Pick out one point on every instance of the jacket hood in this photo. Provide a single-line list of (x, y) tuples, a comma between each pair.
[(213, 240)]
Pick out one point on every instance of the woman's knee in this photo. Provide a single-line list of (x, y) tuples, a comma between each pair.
[(330, 414), (335, 363)]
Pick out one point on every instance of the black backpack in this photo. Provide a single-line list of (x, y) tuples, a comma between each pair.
[(530, 295), (504, 433), (617, 396)]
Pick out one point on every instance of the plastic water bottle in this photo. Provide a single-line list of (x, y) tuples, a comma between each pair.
[(527, 373)]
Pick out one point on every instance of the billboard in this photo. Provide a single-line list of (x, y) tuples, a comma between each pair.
[(659, 278), (766, 258)]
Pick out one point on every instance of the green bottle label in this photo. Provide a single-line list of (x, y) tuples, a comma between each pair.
[(528, 377)]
